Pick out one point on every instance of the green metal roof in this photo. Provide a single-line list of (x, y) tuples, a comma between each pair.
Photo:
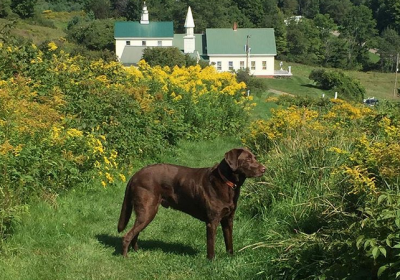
[(155, 29), (178, 42), (229, 41)]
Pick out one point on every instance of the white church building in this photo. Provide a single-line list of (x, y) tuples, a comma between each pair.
[(228, 49)]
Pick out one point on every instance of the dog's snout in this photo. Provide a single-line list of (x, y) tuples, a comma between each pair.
[(262, 168)]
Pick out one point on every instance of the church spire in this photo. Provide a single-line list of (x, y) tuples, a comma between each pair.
[(145, 15), (189, 38), (189, 22)]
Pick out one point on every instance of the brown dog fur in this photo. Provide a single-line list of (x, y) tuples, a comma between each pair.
[(208, 194)]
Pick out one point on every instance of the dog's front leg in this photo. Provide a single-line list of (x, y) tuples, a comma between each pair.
[(227, 227), (211, 232)]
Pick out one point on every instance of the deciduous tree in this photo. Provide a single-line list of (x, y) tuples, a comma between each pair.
[(5, 8), (24, 8), (358, 28), (389, 48)]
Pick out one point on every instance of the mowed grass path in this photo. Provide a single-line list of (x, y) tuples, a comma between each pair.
[(75, 237)]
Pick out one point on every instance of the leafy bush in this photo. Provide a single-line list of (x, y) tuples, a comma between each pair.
[(331, 191), (170, 56), (347, 87), (254, 84), (95, 35)]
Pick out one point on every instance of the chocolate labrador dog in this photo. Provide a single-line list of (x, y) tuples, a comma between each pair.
[(208, 194)]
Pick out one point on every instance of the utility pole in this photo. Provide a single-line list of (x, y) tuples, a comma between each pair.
[(247, 53), (395, 91)]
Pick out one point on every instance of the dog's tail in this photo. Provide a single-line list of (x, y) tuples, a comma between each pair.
[(126, 210)]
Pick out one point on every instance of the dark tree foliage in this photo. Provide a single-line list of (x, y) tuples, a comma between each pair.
[(389, 49), (252, 9), (133, 10), (93, 34), (335, 8), (288, 7), (304, 42), (274, 18), (309, 8), (357, 29), (23, 8), (119, 7), (5, 8), (100, 8)]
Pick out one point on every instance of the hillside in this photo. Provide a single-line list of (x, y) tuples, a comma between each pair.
[(51, 27), (377, 84)]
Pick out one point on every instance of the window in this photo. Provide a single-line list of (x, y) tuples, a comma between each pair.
[(264, 65), (253, 65), (159, 43), (143, 43), (219, 65), (128, 43), (241, 65), (230, 65)]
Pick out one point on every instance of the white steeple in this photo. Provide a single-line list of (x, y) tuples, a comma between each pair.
[(189, 22), (189, 39), (145, 15)]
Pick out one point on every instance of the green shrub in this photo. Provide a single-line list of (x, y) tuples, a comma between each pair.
[(254, 84), (347, 88), (169, 56)]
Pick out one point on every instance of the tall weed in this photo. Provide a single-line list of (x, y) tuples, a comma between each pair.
[(330, 190)]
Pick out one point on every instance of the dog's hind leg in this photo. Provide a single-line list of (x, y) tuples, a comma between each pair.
[(145, 209)]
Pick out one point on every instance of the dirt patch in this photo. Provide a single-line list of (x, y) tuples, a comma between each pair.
[(278, 92)]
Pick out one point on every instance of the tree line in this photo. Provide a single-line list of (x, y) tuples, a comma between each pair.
[(331, 33)]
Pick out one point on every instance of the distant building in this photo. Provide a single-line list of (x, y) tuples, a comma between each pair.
[(242, 48), (227, 49)]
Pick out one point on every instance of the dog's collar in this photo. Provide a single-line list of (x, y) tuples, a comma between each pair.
[(226, 181)]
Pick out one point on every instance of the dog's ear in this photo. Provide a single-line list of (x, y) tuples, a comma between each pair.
[(232, 157)]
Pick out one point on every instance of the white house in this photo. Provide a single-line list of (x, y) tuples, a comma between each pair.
[(227, 49), (242, 48)]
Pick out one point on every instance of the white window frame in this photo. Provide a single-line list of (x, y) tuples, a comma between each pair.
[(253, 65), (143, 43), (264, 65), (230, 65), (219, 65)]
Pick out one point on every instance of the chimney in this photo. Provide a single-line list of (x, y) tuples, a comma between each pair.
[(235, 26)]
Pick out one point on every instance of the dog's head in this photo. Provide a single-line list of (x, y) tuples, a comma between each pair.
[(242, 161)]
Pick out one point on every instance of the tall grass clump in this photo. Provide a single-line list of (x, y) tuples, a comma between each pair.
[(331, 191), (66, 120)]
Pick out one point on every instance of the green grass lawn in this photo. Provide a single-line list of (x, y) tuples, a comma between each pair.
[(75, 236), (377, 84)]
